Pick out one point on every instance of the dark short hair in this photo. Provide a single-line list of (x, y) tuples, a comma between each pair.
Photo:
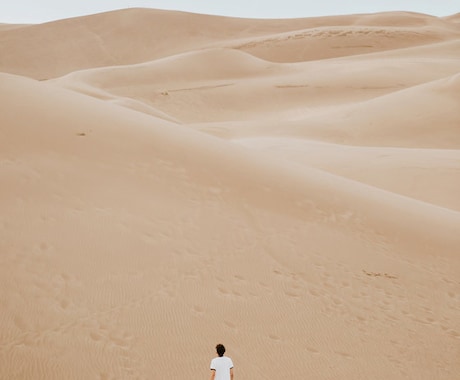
[(220, 349)]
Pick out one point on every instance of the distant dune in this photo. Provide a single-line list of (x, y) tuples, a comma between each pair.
[(289, 188)]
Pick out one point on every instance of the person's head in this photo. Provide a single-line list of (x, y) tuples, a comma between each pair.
[(220, 349)]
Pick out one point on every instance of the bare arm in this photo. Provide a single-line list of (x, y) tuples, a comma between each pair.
[(231, 373), (213, 374)]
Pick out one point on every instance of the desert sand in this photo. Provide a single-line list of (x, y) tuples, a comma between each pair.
[(289, 188)]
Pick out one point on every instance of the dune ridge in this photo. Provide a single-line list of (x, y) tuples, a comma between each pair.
[(286, 187)]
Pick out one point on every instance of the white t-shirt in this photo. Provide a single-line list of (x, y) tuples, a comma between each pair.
[(222, 365)]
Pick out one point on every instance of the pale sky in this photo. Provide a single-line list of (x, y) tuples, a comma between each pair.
[(37, 11)]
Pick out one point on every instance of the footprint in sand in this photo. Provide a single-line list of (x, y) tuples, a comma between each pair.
[(344, 354), (198, 309), (223, 290), (230, 324), (312, 350)]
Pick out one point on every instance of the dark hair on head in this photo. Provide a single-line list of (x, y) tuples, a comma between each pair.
[(220, 349)]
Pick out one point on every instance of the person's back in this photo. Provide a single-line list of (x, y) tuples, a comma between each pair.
[(222, 366)]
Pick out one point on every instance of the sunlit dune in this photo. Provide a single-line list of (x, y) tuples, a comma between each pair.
[(289, 188)]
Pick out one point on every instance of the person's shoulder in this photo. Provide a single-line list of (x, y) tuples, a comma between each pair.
[(229, 362)]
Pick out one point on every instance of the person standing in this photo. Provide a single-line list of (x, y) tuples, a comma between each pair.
[(221, 366)]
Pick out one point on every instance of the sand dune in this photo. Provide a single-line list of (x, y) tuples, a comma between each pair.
[(338, 41), (201, 81), (43, 51), (294, 200), (427, 174), (107, 39), (453, 18), (4, 27)]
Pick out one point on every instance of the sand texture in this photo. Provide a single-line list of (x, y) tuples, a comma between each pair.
[(290, 188)]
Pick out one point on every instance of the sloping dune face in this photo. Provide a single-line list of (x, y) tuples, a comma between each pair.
[(289, 188)]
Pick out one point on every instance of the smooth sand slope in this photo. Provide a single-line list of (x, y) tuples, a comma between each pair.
[(286, 187)]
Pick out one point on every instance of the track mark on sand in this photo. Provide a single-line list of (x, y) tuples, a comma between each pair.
[(230, 324), (378, 274), (200, 87), (344, 354), (197, 309), (291, 294), (315, 292), (223, 290)]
